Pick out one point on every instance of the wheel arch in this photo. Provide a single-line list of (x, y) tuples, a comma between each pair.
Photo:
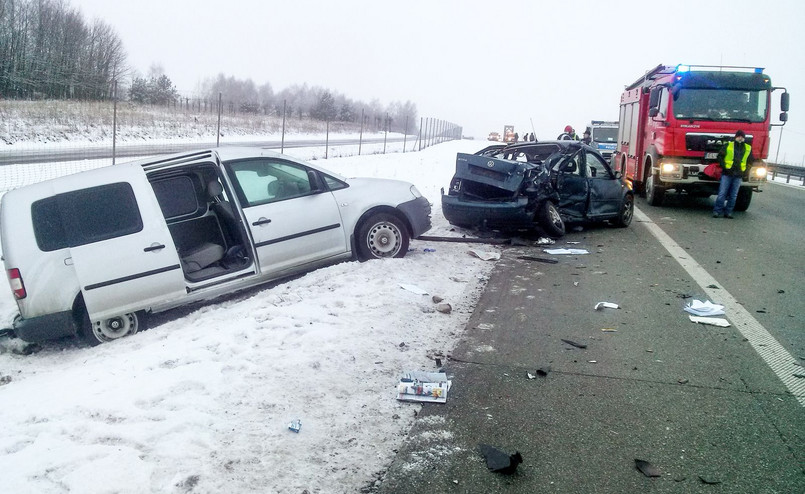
[(368, 214)]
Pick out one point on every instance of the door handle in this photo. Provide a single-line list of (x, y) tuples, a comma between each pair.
[(153, 247), (261, 221)]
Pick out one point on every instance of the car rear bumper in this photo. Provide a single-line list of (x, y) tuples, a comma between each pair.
[(418, 214), (45, 327), (508, 214)]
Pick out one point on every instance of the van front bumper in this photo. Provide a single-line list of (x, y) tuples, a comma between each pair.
[(45, 327), (417, 212)]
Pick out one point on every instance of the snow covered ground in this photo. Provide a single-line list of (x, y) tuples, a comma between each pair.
[(201, 401)]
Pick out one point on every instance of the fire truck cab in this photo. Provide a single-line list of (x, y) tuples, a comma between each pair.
[(675, 119)]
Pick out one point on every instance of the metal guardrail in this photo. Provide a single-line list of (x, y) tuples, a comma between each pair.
[(787, 171)]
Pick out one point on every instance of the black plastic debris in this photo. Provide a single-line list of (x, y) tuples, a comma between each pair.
[(780, 291), (498, 460), (573, 343), (646, 468), (684, 295), (713, 286), (543, 371), (538, 259), (708, 481), (799, 376)]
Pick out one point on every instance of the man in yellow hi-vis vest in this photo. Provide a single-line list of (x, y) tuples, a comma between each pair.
[(735, 157)]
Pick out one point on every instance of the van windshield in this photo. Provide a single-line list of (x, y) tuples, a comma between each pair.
[(721, 104)]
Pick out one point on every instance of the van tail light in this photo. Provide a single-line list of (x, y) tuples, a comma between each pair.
[(17, 286)]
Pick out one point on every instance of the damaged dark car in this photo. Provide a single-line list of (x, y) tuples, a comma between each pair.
[(536, 185)]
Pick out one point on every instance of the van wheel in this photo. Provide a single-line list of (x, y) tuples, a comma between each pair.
[(381, 235), (97, 332), (549, 219)]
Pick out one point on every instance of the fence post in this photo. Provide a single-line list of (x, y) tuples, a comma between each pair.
[(218, 132), (386, 134), (114, 124), (284, 106), (405, 133), (327, 141), (419, 138), (360, 138)]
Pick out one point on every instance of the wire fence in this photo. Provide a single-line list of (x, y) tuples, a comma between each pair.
[(81, 135)]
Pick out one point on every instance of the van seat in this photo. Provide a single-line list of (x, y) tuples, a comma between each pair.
[(202, 256)]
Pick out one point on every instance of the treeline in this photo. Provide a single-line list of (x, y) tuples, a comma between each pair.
[(47, 50), (303, 101)]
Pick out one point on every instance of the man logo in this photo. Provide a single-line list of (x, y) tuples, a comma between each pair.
[(490, 164)]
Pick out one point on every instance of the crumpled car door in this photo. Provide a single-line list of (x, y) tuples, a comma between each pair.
[(606, 191), (572, 187)]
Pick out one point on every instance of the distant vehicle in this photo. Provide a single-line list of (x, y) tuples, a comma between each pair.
[(493, 136), (508, 133), (604, 137), (91, 254), (545, 184), (675, 119)]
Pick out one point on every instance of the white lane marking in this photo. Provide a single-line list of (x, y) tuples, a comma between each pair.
[(770, 350)]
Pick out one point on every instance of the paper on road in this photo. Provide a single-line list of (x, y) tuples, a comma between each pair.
[(566, 251), (485, 256), (707, 308), (712, 321)]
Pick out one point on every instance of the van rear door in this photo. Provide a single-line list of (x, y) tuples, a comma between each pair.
[(120, 246)]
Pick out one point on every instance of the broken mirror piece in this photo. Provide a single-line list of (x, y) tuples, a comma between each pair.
[(498, 460), (295, 425), (712, 321), (606, 305), (646, 468), (706, 308), (430, 387)]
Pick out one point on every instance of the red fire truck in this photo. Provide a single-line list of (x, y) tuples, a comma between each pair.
[(675, 119)]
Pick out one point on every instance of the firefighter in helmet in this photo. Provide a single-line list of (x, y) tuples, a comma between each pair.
[(568, 135)]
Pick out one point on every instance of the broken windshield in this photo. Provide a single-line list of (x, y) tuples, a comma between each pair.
[(720, 104)]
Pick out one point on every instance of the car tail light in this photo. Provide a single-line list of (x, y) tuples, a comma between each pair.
[(17, 286)]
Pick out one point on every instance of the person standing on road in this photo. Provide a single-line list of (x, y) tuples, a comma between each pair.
[(734, 158), (587, 139), (568, 135)]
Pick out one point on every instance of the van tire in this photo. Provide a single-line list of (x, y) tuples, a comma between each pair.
[(113, 328), (549, 219), (380, 236)]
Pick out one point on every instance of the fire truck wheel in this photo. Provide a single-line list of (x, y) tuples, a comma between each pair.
[(743, 199), (549, 219), (654, 193)]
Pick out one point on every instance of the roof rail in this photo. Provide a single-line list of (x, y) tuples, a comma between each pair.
[(179, 159), (650, 75)]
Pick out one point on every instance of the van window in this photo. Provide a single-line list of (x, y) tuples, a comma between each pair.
[(85, 216), (269, 180), (176, 196)]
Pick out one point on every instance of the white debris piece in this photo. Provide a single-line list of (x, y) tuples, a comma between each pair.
[(413, 288), (566, 251), (485, 256), (606, 305), (707, 308), (713, 321)]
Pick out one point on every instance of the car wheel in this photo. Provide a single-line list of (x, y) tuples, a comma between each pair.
[(381, 235), (549, 219), (743, 199), (627, 211), (113, 328), (654, 193)]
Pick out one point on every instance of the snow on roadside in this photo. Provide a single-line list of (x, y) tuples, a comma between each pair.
[(201, 402)]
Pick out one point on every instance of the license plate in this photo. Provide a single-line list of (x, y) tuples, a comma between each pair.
[(710, 156)]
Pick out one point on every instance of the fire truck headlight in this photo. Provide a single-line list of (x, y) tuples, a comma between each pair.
[(670, 167), (760, 172)]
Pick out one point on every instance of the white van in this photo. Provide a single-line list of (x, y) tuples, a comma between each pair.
[(92, 254)]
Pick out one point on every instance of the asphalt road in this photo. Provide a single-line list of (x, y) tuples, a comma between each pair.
[(698, 402), (133, 150)]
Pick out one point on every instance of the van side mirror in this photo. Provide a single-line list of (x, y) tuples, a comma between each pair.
[(784, 117), (784, 102)]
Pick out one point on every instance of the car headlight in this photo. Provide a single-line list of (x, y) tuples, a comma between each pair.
[(415, 191), (761, 172)]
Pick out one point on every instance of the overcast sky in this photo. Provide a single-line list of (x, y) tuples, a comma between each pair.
[(481, 64)]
